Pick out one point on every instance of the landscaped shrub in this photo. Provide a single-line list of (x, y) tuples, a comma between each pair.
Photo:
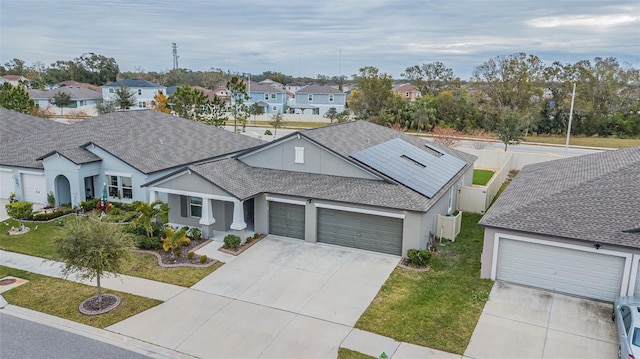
[(249, 239), (151, 243), (51, 199), (203, 259), (190, 255), (268, 133), (256, 235), (48, 216), (231, 241), (20, 210), (418, 257), (89, 204), (178, 252), (194, 233)]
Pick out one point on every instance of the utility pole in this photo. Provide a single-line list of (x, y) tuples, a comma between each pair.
[(573, 96)]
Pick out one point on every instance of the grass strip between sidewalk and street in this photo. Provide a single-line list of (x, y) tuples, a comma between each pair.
[(344, 353), (62, 298), (439, 308)]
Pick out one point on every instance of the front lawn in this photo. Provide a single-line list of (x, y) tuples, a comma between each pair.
[(344, 353), (61, 298), (482, 177), (440, 308), (39, 242)]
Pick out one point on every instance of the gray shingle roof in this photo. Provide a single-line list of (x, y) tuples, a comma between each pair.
[(147, 140), (243, 182), (256, 87), (133, 83), (76, 93), (318, 89), (592, 198)]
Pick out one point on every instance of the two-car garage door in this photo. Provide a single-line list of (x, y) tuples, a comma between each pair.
[(585, 273), (359, 230)]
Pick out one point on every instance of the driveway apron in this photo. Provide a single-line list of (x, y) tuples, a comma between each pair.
[(281, 298), (522, 322)]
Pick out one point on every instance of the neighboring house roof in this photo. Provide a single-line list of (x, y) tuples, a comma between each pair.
[(318, 89), (79, 84), (147, 140), (133, 83), (13, 77), (16, 125), (592, 197), (258, 87), (76, 93), (406, 88)]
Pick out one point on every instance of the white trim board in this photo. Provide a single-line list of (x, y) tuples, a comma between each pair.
[(361, 210), (286, 200)]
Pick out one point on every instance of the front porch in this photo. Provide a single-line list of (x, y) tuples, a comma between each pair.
[(215, 215)]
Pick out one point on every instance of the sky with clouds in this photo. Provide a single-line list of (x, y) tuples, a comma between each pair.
[(308, 38)]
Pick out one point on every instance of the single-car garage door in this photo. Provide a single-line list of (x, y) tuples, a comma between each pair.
[(359, 230), (6, 184), (34, 188), (286, 220), (587, 274)]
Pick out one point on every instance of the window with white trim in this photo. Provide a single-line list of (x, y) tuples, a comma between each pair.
[(310, 97), (266, 96), (139, 92), (195, 207), (111, 90), (119, 187), (330, 97), (273, 96), (299, 158), (407, 94), (275, 109)]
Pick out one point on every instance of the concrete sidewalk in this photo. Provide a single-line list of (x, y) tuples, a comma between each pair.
[(123, 283), (375, 344)]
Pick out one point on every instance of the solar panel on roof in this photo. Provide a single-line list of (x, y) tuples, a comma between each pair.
[(425, 171)]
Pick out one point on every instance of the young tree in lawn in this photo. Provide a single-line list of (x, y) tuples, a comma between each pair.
[(510, 130), (15, 98), (61, 99), (276, 122), (92, 249), (124, 98)]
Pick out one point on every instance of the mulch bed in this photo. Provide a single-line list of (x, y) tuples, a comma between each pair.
[(91, 306), (17, 231), (242, 247), (406, 265), (166, 261)]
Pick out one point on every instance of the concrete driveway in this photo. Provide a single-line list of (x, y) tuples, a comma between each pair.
[(521, 322), (3, 210), (282, 298)]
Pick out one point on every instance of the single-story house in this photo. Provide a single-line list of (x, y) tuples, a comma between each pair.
[(82, 99), (354, 184), (118, 152), (570, 225)]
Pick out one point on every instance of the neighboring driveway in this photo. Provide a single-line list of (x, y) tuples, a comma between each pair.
[(282, 298), (3, 210), (521, 322)]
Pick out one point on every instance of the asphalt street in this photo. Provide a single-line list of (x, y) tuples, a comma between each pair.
[(20, 338)]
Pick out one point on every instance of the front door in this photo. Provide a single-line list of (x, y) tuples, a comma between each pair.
[(88, 185)]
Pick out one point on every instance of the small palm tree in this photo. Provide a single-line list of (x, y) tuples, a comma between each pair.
[(150, 212), (174, 239)]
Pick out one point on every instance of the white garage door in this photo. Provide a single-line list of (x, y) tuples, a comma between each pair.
[(587, 274), (6, 184), (34, 188)]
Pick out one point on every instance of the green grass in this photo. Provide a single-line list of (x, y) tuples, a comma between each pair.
[(607, 142), (440, 308), (40, 243), (482, 177), (146, 266), (344, 353), (62, 298)]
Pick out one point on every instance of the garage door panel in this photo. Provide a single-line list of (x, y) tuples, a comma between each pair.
[(6, 184), (286, 220), (359, 230), (34, 188), (572, 271)]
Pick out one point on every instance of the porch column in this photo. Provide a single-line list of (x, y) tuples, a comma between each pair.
[(207, 219), (238, 216), (153, 196)]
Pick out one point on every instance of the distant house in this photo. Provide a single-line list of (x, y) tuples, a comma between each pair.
[(270, 98), (79, 84), (82, 99), (16, 80), (143, 90), (319, 99), (408, 92), (294, 86), (270, 82)]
